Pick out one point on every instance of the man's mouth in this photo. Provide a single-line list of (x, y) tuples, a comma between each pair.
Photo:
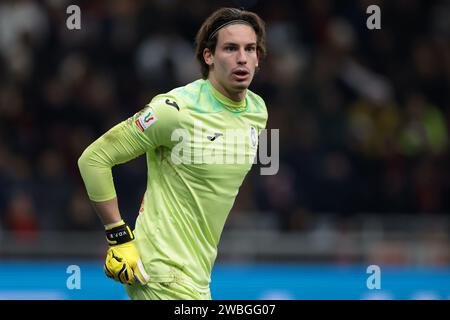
[(240, 74)]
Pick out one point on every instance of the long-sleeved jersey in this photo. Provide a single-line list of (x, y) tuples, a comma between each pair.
[(199, 146)]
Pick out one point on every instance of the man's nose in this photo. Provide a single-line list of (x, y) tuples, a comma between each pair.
[(241, 56)]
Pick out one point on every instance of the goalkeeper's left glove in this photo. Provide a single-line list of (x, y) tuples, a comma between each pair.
[(122, 259)]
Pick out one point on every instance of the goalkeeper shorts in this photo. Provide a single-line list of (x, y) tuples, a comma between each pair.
[(175, 290)]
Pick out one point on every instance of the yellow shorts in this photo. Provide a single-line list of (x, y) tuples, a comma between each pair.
[(166, 291)]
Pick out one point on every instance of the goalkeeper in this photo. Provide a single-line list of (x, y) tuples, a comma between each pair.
[(171, 252)]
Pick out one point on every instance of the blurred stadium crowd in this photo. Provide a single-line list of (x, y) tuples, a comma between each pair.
[(363, 114)]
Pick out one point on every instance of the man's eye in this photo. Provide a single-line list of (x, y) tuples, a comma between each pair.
[(251, 49), (230, 48)]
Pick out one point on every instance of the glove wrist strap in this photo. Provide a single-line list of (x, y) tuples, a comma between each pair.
[(118, 233)]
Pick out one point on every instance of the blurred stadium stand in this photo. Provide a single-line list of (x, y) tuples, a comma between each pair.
[(397, 240), (363, 115)]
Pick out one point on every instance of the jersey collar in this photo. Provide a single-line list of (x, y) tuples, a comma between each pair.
[(233, 106)]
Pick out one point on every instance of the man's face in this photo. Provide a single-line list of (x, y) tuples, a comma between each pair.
[(233, 64)]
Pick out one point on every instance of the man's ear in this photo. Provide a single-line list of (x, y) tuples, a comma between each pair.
[(208, 56)]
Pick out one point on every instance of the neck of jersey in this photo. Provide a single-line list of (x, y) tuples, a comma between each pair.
[(231, 105)]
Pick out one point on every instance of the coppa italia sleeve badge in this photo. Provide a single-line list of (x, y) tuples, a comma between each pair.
[(146, 120)]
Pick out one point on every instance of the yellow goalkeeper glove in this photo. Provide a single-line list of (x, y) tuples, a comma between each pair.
[(122, 259)]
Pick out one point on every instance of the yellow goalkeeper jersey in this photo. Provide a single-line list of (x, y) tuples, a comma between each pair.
[(199, 146)]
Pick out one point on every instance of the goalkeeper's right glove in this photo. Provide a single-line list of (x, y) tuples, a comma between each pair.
[(122, 259)]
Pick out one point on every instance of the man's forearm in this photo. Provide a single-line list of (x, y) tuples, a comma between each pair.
[(108, 211), (118, 145)]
